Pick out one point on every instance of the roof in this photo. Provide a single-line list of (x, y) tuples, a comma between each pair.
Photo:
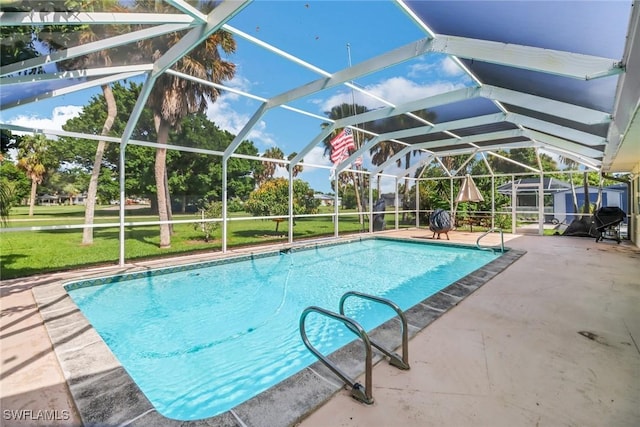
[(561, 77), (529, 186), (48, 197)]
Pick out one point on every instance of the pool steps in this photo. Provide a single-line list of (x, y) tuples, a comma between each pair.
[(358, 392)]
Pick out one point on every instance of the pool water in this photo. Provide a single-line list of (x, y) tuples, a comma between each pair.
[(201, 341)]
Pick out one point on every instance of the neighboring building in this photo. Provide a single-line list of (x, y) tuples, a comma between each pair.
[(563, 201), (326, 199), (527, 194), (48, 200), (79, 199)]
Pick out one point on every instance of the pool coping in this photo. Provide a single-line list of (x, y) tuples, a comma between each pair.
[(105, 394)]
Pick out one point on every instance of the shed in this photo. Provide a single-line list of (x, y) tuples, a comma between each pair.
[(563, 201)]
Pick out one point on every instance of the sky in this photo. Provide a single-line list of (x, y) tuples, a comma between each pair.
[(326, 34)]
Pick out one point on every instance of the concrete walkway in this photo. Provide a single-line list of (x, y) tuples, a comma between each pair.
[(553, 341)]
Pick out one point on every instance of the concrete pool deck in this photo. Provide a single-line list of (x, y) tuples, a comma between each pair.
[(552, 340)]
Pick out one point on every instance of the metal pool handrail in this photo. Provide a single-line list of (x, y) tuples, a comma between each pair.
[(356, 388), (491, 248), (394, 359)]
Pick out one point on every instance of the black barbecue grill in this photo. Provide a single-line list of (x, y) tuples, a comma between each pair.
[(608, 220)]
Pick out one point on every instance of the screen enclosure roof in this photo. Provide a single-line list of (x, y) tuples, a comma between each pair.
[(562, 77)]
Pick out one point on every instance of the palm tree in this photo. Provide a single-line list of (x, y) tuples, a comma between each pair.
[(173, 98), (268, 169), (74, 36), (6, 197), (72, 191), (297, 169), (31, 153)]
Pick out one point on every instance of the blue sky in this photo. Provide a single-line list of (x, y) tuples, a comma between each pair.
[(317, 32)]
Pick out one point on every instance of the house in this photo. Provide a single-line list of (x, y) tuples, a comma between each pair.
[(326, 199), (48, 200)]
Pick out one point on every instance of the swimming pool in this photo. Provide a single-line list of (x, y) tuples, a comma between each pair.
[(201, 340)]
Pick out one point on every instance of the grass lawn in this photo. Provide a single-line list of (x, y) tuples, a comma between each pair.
[(26, 253)]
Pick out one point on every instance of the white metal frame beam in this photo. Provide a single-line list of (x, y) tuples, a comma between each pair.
[(76, 74), (424, 130), (396, 56), (447, 142), (88, 48), (566, 64), (494, 154), (546, 105), (563, 144), (557, 130), (14, 19), (587, 162), (186, 8), (216, 18), (536, 103), (71, 89), (419, 104), (420, 163)]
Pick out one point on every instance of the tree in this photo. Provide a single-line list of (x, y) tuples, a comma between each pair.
[(173, 98), (525, 156), (139, 160), (32, 159), (297, 169), (6, 196), (8, 141), (197, 176), (272, 199), (15, 179), (18, 42), (207, 211), (66, 182), (268, 169), (192, 176), (9, 175), (82, 35)]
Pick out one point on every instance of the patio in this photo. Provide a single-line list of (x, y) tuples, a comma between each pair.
[(552, 340)]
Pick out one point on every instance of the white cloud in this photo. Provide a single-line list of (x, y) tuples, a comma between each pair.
[(420, 69), (396, 90), (227, 118), (221, 113), (446, 67), (450, 67), (316, 157), (240, 83), (59, 116)]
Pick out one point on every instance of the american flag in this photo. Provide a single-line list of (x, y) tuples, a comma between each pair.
[(341, 144), (358, 162)]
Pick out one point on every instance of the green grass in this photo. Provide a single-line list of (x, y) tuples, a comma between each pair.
[(27, 253)]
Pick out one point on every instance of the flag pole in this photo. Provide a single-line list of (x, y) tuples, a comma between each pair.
[(353, 97), (356, 177)]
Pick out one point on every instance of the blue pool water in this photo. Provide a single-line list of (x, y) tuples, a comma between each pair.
[(200, 341)]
